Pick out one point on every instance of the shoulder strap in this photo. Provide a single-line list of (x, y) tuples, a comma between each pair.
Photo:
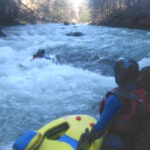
[(125, 94)]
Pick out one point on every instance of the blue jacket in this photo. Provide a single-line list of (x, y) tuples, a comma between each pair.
[(112, 106)]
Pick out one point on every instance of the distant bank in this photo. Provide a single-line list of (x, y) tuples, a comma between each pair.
[(122, 13), (116, 13)]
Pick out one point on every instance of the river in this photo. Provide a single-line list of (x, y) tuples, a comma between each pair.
[(33, 93)]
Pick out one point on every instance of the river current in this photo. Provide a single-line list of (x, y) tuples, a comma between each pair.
[(33, 93)]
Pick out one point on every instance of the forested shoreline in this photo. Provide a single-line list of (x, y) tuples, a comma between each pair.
[(121, 13), (16, 12), (116, 13), (41, 11), (22, 12)]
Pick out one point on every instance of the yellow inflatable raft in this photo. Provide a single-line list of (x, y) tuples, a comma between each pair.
[(60, 134)]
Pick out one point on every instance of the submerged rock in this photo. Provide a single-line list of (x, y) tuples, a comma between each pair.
[(2, 34), (66, 23), (75, 34)]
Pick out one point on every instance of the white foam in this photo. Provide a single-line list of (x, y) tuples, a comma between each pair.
[(5, 147), (144, 62), (35, 92)]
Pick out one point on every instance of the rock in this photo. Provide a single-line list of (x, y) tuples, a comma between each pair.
[(2, 34), (66, 23), (75, 34)]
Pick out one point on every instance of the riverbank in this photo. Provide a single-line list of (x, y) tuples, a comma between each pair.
[(127, 14), (112, 21), (121, 20)]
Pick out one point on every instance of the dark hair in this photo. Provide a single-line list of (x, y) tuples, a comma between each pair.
[(39, 53), (143, 80)]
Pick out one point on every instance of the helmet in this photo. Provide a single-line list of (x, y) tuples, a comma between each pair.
[(40, 53), (143, 80), (126, 71)]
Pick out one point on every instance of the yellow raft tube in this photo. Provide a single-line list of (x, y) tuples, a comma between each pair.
[(60, 134)]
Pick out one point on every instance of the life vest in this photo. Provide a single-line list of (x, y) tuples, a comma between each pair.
[(142, 94), (134, 106)]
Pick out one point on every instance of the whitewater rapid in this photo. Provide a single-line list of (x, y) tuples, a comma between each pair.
[(33, 93)]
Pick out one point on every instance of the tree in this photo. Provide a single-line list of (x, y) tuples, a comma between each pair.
[(8, 11), (63, 10), (128, 13), (84, 12)]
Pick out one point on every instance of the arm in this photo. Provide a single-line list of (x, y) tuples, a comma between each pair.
[(112, 107), (47, 57)]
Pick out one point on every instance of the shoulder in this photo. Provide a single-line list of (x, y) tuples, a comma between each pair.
[(113, 101), (113, 98)]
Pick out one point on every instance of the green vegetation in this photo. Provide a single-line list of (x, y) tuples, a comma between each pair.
[(8, 11), (40, 11), (84, 12), (63, 11), (125, 13)]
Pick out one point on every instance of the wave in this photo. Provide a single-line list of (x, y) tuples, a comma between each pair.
[(145, 61), (45, 91), (36, 92)]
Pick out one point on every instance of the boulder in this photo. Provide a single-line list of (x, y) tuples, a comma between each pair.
[(66, 23), (2, 34), (75, 34)]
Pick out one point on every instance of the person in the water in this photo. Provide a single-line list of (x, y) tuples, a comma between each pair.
[(41, 54), (120, 111)]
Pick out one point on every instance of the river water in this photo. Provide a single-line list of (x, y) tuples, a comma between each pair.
[(33, 93)]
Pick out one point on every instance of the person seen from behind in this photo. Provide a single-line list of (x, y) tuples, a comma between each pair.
[(120, 111), (143, 87)]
